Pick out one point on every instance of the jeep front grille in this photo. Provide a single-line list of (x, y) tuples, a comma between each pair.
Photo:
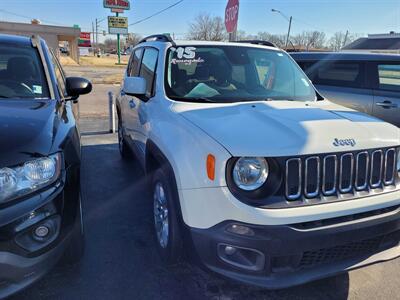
[(340, 174)]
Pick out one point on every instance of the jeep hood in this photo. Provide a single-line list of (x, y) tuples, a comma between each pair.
[(285, 128), (27, 129)]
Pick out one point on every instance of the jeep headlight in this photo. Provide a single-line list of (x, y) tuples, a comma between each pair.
[(250, 173), (29, 177)]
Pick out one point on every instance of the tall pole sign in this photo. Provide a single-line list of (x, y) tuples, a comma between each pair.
[(117, 25), (231, 18)]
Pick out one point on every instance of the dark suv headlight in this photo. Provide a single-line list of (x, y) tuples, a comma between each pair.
[(253, 179), (29, 177)]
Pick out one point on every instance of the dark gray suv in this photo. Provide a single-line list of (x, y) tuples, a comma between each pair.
[(366, 82)]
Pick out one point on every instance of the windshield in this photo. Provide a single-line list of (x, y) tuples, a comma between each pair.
[(233, 74), (21, 73)]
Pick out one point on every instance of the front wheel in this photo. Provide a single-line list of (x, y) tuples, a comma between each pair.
[(167, 228)]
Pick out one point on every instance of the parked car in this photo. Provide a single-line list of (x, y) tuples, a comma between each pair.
[(366, 82), (267, 182), (40, 157)]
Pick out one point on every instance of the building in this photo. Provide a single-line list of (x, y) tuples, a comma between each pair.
[(382, 43), (53, 35)]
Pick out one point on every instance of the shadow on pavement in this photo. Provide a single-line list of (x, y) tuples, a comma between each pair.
[(121, 261)]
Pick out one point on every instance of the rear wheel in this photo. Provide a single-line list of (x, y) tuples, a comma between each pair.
[(167, 228), (123, 147)]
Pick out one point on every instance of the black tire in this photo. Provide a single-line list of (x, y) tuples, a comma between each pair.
[(123, 147), (76, 248), (171, 252)]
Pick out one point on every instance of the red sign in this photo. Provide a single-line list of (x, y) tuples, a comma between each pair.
[(119, 4), (84, 40), (231, 15)]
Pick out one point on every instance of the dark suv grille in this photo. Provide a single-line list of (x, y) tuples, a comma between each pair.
[(335, 174)]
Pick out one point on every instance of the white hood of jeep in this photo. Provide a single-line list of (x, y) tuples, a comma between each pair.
[(286, 128)]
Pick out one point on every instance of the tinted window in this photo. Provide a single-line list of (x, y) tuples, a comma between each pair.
[(21, 73), (346, 74), (59, 76), (134, 67), (148, 68), (389, 77)]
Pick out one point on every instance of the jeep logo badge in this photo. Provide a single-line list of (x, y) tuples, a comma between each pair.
[(344, 142)]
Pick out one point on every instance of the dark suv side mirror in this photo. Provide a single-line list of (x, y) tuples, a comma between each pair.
[(77, 86)]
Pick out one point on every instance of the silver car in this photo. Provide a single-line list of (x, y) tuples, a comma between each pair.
[(366, 82)]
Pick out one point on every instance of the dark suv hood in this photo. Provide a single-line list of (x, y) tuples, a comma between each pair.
[(27, 129)]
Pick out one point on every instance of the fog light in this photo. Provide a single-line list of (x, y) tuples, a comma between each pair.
[(229, 250), (240, 257), (42, 232), (240, 229)]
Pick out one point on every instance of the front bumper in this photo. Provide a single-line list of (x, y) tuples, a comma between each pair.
[(295, 254), (18, 272), (24, 258)]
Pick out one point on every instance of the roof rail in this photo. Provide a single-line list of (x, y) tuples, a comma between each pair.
[(35, 40), (258, 42), (165, 38)]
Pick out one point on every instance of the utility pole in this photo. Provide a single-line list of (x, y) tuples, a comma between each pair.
[(288, 34), (345, 38), (93, 42), (290, 24), (97, 32)]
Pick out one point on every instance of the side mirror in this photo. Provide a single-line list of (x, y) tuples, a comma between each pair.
[(77, 86), (135, 86)]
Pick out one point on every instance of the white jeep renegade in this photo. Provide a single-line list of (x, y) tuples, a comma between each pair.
[(267, 181)]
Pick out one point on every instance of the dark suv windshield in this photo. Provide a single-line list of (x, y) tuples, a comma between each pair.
[(21, 73), (234, 73)]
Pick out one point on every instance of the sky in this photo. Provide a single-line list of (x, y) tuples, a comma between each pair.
[(357, 16)]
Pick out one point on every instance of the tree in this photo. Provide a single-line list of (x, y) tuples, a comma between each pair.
[(341, 39), (207, 28), (277, 39), (133, 39)]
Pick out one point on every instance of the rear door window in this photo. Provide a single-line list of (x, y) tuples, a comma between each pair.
[(337, 73), (389, 77)]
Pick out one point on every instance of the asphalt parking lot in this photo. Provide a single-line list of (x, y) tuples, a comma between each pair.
[(121, 261)]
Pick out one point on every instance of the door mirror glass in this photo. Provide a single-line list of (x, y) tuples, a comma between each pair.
[(76, 86), (135, 86)]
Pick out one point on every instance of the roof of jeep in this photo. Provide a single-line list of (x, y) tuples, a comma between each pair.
[(15, 40), (210, 43)]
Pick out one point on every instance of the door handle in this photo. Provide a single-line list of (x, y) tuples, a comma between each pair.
[(386, 104), (132, 104)]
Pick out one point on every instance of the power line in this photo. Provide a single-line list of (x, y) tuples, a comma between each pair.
[(157, 13), (30, 18)]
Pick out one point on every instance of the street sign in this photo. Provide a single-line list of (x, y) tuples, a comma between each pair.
[(231, 15), (119, 4), (84, 40), (117, 10), (117, 25)]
